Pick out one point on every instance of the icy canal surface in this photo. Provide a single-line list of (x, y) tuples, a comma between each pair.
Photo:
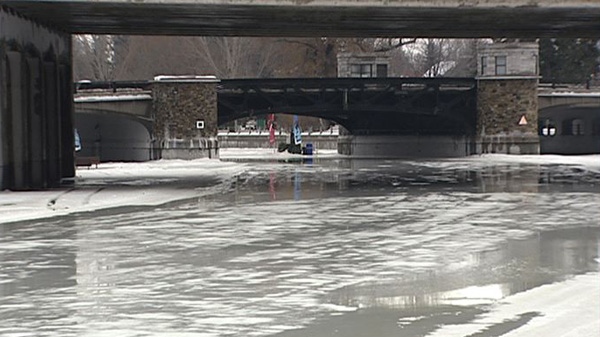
[(337, 247)]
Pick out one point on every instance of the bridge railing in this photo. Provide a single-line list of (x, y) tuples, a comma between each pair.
[(111, 85), (342, 82)]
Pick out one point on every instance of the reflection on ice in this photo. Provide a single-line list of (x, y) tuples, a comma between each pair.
[(342, 177), (473, 295), (468, 296)]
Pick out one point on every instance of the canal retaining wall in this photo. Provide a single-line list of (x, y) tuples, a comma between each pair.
[(256, 139)]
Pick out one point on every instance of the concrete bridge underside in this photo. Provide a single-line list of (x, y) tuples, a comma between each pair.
[(115, 126), (343, 18)]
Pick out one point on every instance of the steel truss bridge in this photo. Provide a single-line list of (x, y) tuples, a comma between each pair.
[(362, 105)]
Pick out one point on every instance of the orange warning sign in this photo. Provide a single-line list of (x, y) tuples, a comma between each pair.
[(523, 120)]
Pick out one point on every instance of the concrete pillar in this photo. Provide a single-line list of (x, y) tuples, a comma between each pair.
[(4, 172), (35, 104), (35, 126), (17, 140), (185, 115), (507, 101), (66, 118), (51, 103)]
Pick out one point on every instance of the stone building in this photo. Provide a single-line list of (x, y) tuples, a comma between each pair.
[(507, 103)]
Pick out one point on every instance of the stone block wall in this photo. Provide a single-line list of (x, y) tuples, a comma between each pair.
[(521, 59), (501, 104), (179, 104)]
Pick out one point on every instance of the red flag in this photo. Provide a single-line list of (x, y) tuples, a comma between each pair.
[(271, 122)]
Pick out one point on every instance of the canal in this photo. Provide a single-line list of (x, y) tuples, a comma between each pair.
[(330, 247)]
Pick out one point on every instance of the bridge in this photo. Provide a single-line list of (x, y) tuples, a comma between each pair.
[(36, 96), (376, 107), (362, 105), (341, 18), (434, 106)]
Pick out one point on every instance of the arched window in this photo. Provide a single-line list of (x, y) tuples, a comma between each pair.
[(577, 127), (573, 127), (596, 127)]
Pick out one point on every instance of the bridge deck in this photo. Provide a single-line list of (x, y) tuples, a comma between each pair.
[(343, 18)]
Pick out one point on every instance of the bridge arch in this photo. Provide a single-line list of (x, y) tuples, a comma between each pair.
[(114, 136), (115, 126)]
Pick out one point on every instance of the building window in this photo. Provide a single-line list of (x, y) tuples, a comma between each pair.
[(577, 127), (500, 65), (382, 70), (361, 70), (547, 128), (483, 64), (573, 127)]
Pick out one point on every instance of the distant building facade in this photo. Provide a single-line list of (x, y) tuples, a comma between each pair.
[(371, 65)]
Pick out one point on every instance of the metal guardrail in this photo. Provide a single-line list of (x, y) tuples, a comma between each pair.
[(111, 85), (293, 83)]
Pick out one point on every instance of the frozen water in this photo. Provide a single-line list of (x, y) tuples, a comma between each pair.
[(303, 249)]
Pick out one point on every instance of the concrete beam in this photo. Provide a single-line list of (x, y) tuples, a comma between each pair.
[(342, 18)]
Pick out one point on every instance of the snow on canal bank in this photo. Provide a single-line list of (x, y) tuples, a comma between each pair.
[(120, 184), (566, 309)]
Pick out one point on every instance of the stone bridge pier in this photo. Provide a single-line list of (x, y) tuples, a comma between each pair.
[(185, 116), (507, 99)]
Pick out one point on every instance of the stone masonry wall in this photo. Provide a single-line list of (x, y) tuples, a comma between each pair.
[(177, 106), (500, 106), (501, 103)]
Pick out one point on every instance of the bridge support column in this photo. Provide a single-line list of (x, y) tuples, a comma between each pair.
[(185, 114), (36, 115), (507, 117), (507, 101)]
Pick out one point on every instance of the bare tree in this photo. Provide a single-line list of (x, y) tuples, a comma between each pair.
[(443, 57), (147, 56), (389, 44), (432, 58), (230, 57), (98, 51)]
